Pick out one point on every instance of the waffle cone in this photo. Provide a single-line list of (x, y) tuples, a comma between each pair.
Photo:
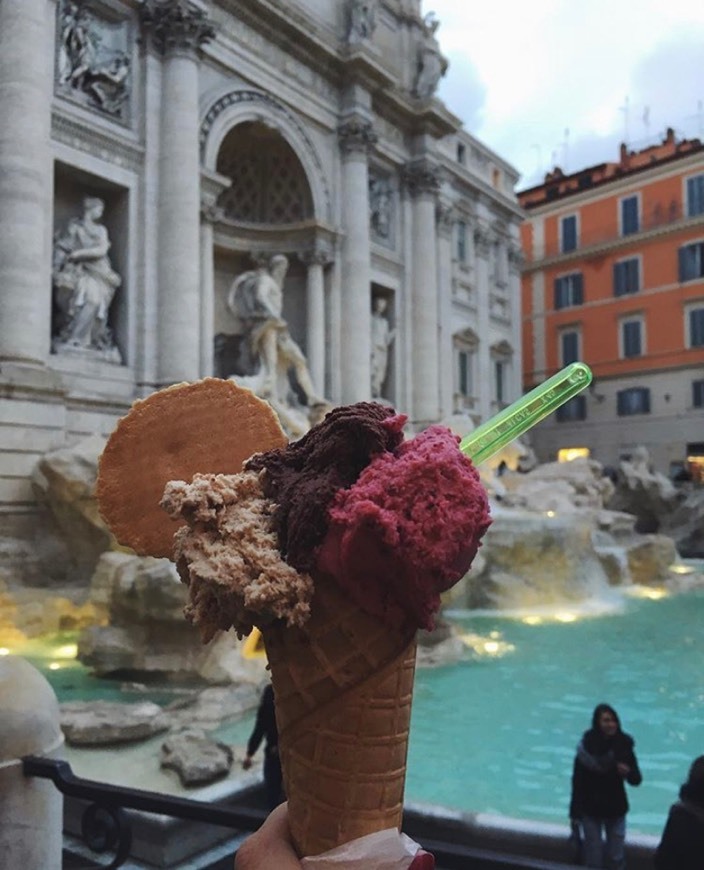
[(343, 688)]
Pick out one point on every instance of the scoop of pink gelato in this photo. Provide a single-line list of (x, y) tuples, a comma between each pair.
[(408, 529)]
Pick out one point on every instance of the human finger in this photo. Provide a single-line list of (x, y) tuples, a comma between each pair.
[(271, 847)]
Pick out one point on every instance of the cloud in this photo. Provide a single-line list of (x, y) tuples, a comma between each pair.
[(521, 75), (464, 92)]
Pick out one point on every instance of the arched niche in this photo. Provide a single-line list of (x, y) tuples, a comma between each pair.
[(240, 107), (269, 184)]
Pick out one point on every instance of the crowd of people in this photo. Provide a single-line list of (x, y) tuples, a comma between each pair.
[(605, 762)]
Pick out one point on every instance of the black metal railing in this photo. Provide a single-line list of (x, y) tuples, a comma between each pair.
[(105, 827)]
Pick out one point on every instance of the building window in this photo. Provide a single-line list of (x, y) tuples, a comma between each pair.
[(568, 234), (631, 338), (461, 241), (691, 261), (627, 276), (464, 371), (574, 409), (635, 400), (461, 153), (695, 196), (499, 378), (630, 222), (698, 394), (569, 346), (696, 327), (569, 290)]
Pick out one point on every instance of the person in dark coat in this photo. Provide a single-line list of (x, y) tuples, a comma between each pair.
[(605, 760), (682, 843), (265, 727)]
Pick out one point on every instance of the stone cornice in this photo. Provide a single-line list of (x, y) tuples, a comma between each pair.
[(326, 54), (92, 140), (356, 136), (176, 26)]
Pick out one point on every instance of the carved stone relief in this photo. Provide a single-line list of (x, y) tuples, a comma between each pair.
[(93, 59)]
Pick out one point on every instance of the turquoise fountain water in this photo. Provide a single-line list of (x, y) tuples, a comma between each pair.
[(497, 732)]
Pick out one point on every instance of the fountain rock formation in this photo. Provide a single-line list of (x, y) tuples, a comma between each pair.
[(146, 633), (552, 541)]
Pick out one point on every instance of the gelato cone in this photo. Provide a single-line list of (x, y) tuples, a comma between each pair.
[(337, 548), (343, 686)]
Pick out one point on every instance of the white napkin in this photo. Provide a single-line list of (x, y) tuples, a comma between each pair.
[(384, 850)]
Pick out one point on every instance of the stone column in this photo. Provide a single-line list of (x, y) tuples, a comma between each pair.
[(356, 139), (26, 85), (445, 223), (422, 181), (315, 260), (207, 291), (485, 373), (178, 29)]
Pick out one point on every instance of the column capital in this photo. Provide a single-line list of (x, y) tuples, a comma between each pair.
[(319, 255), (421, 177), (211, 213), (176, 26), (515, 258), (482, 241), (356, 135), (444, 218)]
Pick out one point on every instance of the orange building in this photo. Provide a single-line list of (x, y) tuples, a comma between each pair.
[(614, 275)]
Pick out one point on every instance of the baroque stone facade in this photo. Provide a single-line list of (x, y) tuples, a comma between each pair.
[(207, 137)]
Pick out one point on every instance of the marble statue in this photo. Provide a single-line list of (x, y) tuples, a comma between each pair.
[(380, 206), (431, 64), (382, 337), (84, 282), (256, 298), (84, 68), (362, 17)]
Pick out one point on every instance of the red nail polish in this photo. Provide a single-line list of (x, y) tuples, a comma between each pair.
[(423, 861)]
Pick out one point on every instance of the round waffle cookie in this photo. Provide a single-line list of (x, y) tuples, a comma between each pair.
[(211, 426)]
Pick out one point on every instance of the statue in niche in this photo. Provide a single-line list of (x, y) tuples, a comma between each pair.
[(86, 67), (84, 284), (256, 298), (382, 337), (380, 206), (362, 16), (431, 64)]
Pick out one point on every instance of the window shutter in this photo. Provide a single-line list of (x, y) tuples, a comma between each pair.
[(618, 279), (578, 289), (683, 260)]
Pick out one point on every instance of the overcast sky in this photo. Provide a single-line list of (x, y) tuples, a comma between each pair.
[(547, 81)]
